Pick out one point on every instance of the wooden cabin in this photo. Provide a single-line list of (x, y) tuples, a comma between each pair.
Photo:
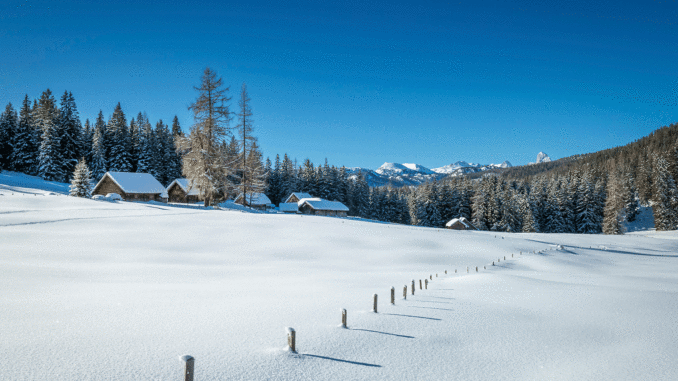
[(131, 186), (254, 200), (460, 224), (180, 190), (296, 197), (319, 207)]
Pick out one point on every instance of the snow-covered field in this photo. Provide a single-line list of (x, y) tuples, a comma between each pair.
[(101, 290)]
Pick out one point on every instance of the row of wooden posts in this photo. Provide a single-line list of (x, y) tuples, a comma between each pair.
[(189, 361)]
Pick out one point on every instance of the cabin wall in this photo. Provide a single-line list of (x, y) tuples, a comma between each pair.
[(176, 194), (107, 186)]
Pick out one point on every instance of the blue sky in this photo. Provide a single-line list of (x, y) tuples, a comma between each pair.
[(366, 82)]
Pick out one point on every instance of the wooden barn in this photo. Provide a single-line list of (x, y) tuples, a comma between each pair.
[(131, 186), (180, 190), (319, 207), (296, 197), (460, 224), (254, 200)]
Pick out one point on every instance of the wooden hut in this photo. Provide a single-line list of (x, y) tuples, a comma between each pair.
[(319, 207), (131, 186), (254, 200), (460, 224), (296, 197), (180, 190)]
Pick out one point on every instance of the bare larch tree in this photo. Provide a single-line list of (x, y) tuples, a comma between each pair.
[(204, 165)]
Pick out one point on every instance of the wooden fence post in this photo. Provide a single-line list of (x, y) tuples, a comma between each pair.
[(405, 292), (445, 272), (455, 271), (392, 295), (413, 287), (492, 263), (188, 367), (374, 306), (476, 268), (426, 283), (292, 339), (343, 317), (431, 276), (467, 269), (420, 285)]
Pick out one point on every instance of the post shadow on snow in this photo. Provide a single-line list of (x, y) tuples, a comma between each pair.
[(432, 301), (340, 360), (410, 316), (383, 333), (439, 297), (432, 308), (608, 250)]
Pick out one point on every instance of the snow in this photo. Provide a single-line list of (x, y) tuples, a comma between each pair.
[(463, 220), (542, 158), (119, 291), (288, 207), (299, 195), (255, 199), (185, 186), (132, 183), (320, 204)]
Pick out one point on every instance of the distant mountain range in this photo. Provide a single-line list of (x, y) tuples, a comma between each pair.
[(399, 175)]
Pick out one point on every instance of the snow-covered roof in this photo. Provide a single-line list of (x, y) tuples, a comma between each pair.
[(132, 183), (299, 195), (320, 204), (288, 207), (184, 184), (255, 199), (463, 220)]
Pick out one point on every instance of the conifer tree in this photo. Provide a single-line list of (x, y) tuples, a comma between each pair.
[(274, 191), (665, 202), (69, 131), (176, 127), (50, 159), (81, 183), (119, 160), (204, 164), (614, 206), (24, 156), (8, 128), (251, 167)]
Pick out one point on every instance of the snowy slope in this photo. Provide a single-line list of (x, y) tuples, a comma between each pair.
[(117, 291)]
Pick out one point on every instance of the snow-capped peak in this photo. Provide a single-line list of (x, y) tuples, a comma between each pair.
[(543, 158)]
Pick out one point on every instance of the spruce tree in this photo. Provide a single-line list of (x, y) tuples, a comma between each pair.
[(665, 202), (81, 183), (25, 142), (50, 159), (69, 131), (614, 206), (119, 160), (8, 128)]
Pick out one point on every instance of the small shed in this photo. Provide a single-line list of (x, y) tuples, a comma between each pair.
[(320, 207), (180, 190), (288, 207), (460, 224), (297, 196), (254, 200), (131, 186)]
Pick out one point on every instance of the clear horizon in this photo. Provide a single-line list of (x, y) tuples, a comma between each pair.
[(363, 84)]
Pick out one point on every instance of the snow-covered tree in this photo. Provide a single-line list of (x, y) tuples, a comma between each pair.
[(50, 159), (69, 131), (25, 144), (81, 183), (204, 165), (665, 200), (8, 128), (119, 160)]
